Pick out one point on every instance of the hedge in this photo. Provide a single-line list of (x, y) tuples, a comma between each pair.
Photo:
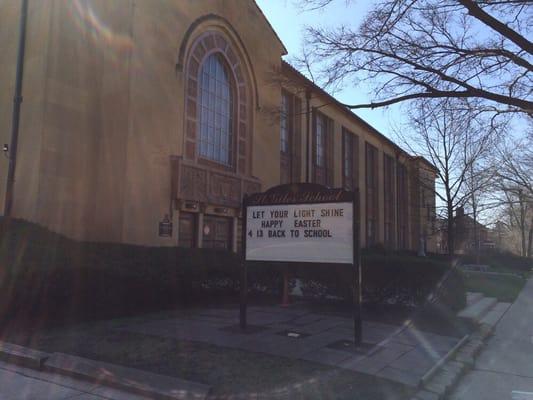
[(46, 274), (500, 259), (387, 279)]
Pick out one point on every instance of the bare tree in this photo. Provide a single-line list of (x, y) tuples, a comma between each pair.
[(518, 213), (478, 192), (448, 136), (514, 184), (412, 49)]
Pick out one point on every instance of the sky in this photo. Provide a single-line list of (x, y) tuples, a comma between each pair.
[(289, 21)]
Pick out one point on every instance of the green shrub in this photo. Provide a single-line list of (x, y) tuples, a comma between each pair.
[(46, 274), (43, 273), (394, 279)]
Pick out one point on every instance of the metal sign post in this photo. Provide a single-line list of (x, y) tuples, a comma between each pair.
[(302, 223), (244, 277), (356, 265)]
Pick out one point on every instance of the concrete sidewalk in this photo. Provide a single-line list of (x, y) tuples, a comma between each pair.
[(401, 354), (506, 363), (19, 383)]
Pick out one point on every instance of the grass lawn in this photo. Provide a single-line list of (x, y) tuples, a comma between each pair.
[(503, 287), (231, 373)]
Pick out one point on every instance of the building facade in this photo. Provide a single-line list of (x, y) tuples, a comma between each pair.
[(135, 111)]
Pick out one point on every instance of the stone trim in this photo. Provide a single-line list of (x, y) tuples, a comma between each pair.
[(211, 186)]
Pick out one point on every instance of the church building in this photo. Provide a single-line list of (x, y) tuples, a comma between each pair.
[(138, 112)]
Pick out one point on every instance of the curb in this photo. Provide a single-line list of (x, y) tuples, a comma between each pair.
[(22, 356), (111, 375)]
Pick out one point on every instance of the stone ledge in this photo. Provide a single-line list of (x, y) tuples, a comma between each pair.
[(438, 382), (128, 379), (429, 375), (20, 355), (475, 312)]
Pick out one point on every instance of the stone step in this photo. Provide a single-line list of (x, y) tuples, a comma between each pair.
[(24, 356), (128, 379), (477, 311), (495, 313), (473, 297)]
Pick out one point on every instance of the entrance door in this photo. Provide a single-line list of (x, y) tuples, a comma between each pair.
[(216, 232), (187, 230)]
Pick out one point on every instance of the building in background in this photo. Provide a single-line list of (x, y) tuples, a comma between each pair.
[(139, 111), (468, 232)]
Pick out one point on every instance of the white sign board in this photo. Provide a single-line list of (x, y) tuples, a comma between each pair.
[(317, 233)]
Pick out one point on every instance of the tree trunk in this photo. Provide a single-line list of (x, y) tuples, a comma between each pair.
[(530, 241), (450, 233), (476, 235), (523, 225)]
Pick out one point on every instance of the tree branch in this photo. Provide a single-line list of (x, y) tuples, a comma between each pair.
[(487, 19)]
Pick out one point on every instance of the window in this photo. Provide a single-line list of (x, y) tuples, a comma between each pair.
[(290, 134), (216, 111), (320, 160), (388, 199), (322, 147), (284, 124), (371, 195), (402, 206), (350, 151)]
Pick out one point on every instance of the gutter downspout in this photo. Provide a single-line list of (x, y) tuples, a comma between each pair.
[(17, 100)]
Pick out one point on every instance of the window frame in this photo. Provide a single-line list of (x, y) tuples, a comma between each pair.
[(372, 194), (403, 211), (350, 151), (388, 200), (322, 173), (285, 115), (233, 117)]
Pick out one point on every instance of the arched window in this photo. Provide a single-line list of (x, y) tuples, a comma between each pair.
[(216, 111)]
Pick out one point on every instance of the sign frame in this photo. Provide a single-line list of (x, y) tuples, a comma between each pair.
[(301, 194)]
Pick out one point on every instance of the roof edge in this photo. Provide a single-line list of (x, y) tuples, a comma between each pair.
[(425, 161)]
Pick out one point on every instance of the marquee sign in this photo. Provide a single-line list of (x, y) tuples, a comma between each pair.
[(310, 227), (304, 223)]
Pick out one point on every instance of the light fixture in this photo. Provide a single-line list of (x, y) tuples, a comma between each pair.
[(6, 150)]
